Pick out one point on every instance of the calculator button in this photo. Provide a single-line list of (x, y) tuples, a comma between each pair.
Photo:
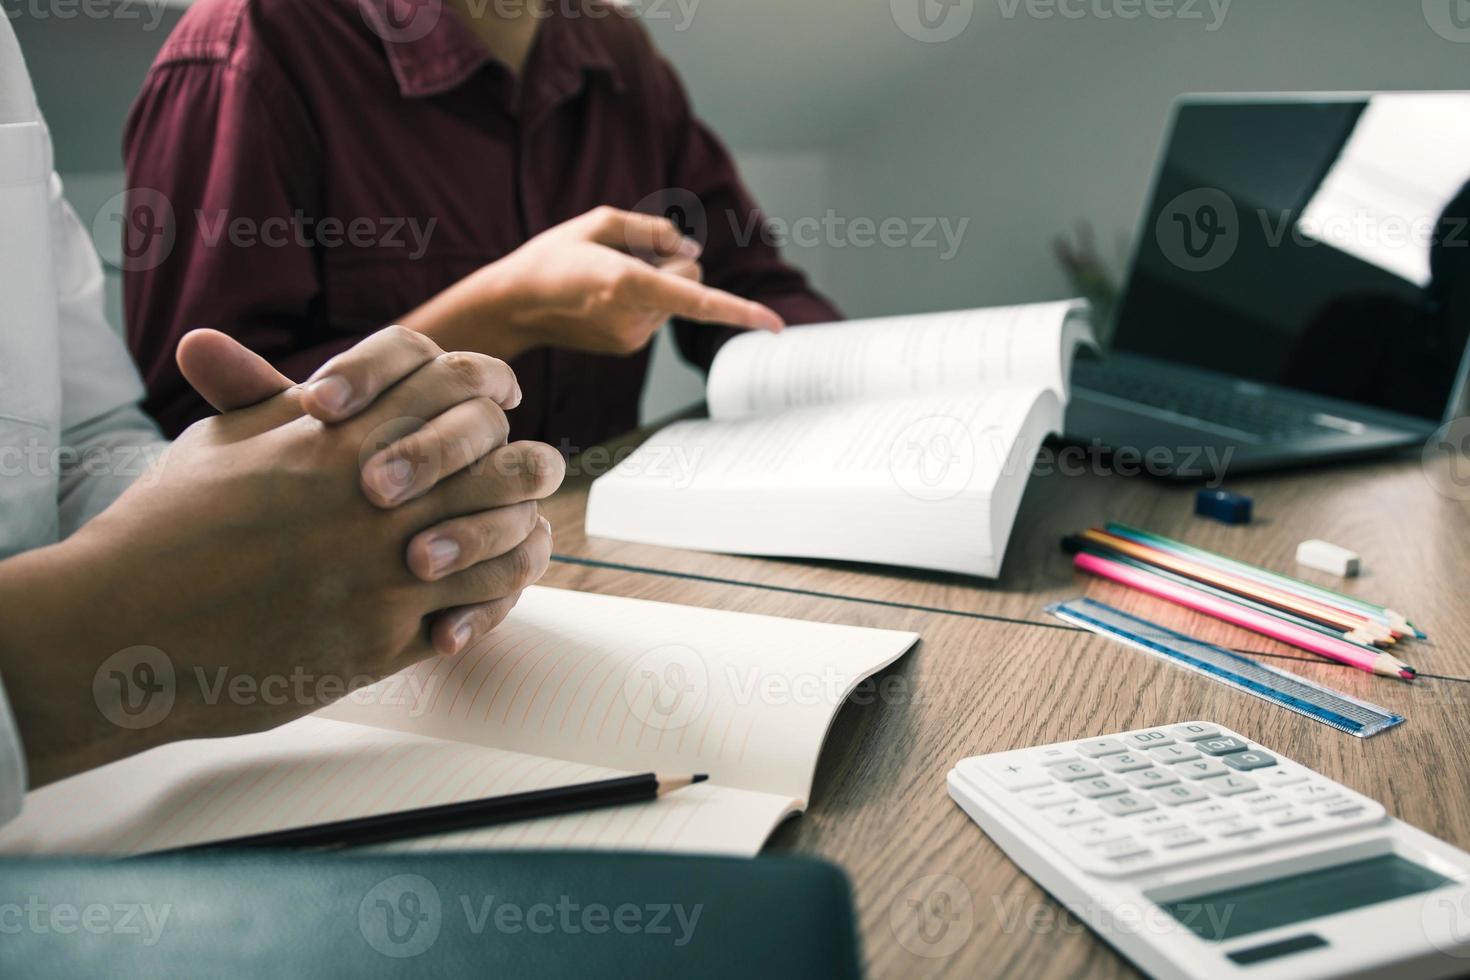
[(1170, 754), (1344, 809), (1230, 785), (1099, 747), (1263, 802), (1282, 775), (1051, 756), (1126, 848), (1156, 823), (1332, 799), (1102, 832), (1123, 806), (1246, 761), (1073, 814), (1312, 792), (1093, 788), (1233, 827), (1127, 762), (1070, 771), (1148, 740), (1178, 837), (1289, 818), (1221, 746), (1153, 778), (1211, 812), (1179, 795), (1047, 796), (1193, 732), (1201, 769), (1017, 776)]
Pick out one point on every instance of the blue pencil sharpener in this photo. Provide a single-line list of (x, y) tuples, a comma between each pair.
[(1223, 506)]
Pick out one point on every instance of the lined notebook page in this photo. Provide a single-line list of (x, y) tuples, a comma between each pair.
[(968, 351), (315, 770), (642, 686), (574, 688)]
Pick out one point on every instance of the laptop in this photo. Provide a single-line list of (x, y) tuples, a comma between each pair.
[(1299, 290)]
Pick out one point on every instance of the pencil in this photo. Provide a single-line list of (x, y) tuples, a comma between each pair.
[(471, 815), (1379, 663), (1391, 618), (1073, 545), (1270, 595)]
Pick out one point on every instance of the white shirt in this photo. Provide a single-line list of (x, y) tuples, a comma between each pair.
[(72, 437)]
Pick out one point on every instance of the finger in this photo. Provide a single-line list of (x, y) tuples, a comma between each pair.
[(238, 381), (512, 572), (644, 235), (681, 267), (510, 475), (356, 378), (446, 444), (459, 543), (436, 387), (228, 374), (649, 287), (453, 631)]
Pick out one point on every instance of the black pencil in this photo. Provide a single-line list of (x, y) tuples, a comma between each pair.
[(472, 815)]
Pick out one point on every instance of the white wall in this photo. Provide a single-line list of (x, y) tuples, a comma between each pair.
[(1022, 124)]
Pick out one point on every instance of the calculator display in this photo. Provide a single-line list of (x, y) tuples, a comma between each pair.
[(1222, 915)]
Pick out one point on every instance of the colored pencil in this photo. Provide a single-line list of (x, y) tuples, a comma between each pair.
[(1073, 545), (1388, 617), (1379, 663), (1230, 582), (471, 815)]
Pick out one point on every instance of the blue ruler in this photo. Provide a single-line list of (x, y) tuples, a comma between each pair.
[(1341, 711)]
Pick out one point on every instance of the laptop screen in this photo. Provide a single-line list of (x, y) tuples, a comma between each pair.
[(1321, 245)]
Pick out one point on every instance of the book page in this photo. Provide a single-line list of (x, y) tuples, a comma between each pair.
[(641, 686), (965, 352), (316, 771), (924, 482)]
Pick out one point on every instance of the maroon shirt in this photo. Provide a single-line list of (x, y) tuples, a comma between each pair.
[(324, 182)]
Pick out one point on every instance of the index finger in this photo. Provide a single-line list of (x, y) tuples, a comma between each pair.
[(646, 236), (355, 379), (691, 300)]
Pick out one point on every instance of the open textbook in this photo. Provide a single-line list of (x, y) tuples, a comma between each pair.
[(901, 441), (573, 688)]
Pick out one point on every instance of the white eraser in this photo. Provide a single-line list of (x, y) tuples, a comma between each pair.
[(1326, 557)]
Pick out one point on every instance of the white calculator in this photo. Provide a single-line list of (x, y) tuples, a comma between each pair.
[(1198, 853)]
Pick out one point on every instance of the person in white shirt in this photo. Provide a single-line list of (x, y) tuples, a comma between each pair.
[(325, 528)]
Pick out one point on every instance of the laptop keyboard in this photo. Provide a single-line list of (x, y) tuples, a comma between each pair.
[(1258, 416)]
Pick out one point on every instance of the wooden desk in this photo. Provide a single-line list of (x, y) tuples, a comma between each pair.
[(994, 672)]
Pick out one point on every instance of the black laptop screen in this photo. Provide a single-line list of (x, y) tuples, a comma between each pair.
[(1320, 245)]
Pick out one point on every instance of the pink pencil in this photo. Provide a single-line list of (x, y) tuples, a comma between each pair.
[(1380, 663)]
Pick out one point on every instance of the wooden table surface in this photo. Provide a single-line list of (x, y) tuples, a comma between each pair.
[(995, 672)]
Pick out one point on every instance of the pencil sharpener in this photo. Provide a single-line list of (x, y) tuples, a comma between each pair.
[(1223, 506)]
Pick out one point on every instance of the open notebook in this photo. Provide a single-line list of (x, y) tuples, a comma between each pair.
[(573, 688), (902, 441)]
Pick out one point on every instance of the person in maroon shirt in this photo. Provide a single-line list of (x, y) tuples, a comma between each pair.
[(304, 172)]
